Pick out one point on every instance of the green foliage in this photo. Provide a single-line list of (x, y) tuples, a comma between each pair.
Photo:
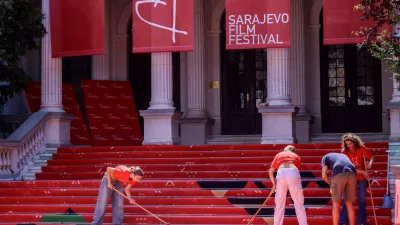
[(380, 39), (20, 31)]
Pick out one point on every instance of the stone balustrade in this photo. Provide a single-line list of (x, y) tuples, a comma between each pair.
[(28, 141)]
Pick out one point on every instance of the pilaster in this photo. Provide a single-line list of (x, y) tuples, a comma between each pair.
[(195, 120), (196, 66), (297, 77)]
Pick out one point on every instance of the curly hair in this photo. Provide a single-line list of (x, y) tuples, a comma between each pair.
[(137, 171), (290, 148), (353, 138)]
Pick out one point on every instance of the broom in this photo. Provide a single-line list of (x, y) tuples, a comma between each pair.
[(387, 200), (370, 193), (141, 207), (265, 202)]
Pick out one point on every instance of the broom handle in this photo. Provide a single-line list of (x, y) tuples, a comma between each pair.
[(141, 207), (387, 176), (265, 202), (370, 193)]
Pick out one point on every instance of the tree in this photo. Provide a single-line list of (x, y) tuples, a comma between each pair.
[(20, 31), (380, 39)]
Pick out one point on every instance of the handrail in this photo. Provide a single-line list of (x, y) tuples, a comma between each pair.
[(27, 141)]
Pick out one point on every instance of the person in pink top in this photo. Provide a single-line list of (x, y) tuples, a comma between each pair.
[(288, 178), (113, 179)]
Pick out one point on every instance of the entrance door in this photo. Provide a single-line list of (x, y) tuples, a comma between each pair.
[(351, 90), (244, 87)]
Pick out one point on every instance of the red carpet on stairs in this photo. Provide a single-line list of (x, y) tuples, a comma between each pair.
[(182, 185), (79, 131), (111, 112)]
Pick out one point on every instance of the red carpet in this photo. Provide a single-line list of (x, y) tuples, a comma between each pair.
[(182, 185), (79, 132)]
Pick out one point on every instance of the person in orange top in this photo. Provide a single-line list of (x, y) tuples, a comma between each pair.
[(356, 151), (113, 179), (288, 178)]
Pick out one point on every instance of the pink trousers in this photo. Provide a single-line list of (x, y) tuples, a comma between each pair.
[(289, 179)]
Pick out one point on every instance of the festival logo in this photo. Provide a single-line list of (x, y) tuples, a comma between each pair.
[(167, 25)]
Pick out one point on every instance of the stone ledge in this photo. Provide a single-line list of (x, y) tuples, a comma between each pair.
[(305, 117), (160, 112), (393, 105), (279, 109), (190, 120)]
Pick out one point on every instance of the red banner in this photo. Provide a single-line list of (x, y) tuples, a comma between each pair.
[(77, 27), (258, 24), (340, 20), (162, 26)]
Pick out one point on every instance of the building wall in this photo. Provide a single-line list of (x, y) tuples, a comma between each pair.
[(120, 15)]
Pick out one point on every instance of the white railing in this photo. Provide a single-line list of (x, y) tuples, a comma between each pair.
[(27, 141)]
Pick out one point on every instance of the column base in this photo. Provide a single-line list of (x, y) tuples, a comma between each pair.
[(394, 109), (58, 130), (278, 124), (161, 126), (194, 131), (303, 128)]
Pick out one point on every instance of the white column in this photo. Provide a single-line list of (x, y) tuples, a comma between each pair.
[(297, 57), (161, 81), (278, 86), (279, 109), (161, 120), (51, 69), (57, 129), (101, 63), (196, 66)]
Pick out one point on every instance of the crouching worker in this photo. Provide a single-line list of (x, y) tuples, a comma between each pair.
[(343, 181), (113, 178), (288, 178)]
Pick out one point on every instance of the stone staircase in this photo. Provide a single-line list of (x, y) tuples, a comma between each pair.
[(36, 165)]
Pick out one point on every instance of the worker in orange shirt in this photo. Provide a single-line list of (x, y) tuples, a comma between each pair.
[(356, 151), (113, 180), (287, 163)]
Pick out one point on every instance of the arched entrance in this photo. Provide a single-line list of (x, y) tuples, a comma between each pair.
[(139, 75), (244, 87), (351, 93)]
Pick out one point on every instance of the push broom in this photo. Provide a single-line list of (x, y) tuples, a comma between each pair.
[(162, 221), (370, 193), (265, 202)]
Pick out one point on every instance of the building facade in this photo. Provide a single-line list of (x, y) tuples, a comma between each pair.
[(214, 95)]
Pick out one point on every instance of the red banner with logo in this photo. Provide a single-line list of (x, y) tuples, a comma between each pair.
[(162, 26), (111, 113), (77, 27), (341, 20), (258, 24)]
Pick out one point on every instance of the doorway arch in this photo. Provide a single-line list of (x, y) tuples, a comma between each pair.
[(244, 87)]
